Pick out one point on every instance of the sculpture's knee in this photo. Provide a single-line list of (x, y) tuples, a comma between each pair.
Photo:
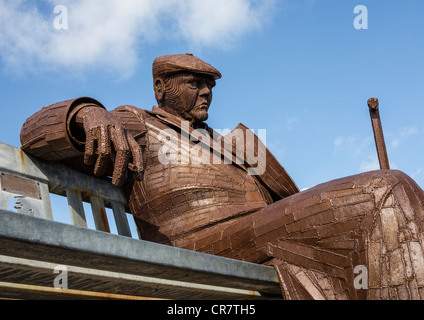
[(390, 188), (390, 241), (396, 198), (374, 219), (398, 191), (395, 239)]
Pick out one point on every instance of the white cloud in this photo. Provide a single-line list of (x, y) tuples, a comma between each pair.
[(404, 133), (338, 142), (369, 165), (361, 149), (351, 144), (408, 131), (108, 34), (417, 172), (395, 143), (220, 21)]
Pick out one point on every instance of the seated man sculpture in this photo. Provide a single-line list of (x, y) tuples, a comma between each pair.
[(320, 240)]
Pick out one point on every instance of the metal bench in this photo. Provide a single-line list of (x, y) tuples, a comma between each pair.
[(34, 249)]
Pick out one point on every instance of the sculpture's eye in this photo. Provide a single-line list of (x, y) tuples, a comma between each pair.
[(193, 84)]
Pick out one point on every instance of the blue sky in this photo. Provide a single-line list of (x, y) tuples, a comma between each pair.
[(297, 68)]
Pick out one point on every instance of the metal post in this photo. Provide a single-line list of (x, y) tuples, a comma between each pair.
[(378, 134)]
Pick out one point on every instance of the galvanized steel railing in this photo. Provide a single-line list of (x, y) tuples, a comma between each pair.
[(102, 265)]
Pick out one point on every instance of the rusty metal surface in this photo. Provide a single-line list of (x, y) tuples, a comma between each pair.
[(315, 238)]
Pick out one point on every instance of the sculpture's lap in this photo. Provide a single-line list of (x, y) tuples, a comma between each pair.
[(316, 238)]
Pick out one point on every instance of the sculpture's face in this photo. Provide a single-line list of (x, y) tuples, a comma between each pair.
[(189, 95)]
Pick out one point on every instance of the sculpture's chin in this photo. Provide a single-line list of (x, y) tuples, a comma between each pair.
[(200, 115)]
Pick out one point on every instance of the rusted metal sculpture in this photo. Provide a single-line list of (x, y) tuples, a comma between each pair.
[(316, 239)]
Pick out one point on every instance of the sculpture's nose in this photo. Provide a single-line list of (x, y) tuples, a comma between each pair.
[(204, 89)]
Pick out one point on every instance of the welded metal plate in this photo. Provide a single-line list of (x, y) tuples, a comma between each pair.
[(20, 186)]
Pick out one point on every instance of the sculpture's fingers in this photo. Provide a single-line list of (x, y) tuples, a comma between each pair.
[(122, 155), (90, 146), (104, 151), (137, 166)]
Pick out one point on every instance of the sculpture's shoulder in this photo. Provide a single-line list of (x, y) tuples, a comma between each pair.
[(131, 111), (134, 119), (139, 121)]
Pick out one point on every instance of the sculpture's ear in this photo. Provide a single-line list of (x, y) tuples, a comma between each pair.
[(159, 90)]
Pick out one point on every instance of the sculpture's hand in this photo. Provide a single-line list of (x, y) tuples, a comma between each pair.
[(108, 141)]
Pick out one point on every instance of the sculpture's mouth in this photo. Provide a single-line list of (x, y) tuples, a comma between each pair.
[(203, 107)]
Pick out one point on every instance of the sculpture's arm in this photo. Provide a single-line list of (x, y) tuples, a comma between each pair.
[(82, 126), (46, 134)]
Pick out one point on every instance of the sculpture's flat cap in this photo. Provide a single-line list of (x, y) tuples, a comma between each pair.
[(175, 63)]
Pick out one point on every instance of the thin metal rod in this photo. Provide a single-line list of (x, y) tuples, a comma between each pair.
[(378, 134)]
